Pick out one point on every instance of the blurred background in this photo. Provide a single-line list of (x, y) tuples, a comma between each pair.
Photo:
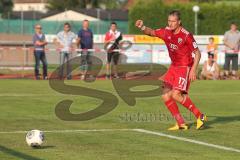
[(204, 18)]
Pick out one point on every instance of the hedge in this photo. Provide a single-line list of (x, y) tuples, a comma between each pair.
[(213, 19)]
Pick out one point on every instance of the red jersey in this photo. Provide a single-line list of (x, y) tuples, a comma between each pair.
[(180, 46), (112, 35), (109, 36)]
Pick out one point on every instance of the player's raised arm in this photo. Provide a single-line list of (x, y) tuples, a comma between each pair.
[(146, 30)]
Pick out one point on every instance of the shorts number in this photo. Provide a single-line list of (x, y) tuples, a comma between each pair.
[(181, 81)]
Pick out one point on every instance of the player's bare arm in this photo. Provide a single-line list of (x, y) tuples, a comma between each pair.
[(193, 72), (107, 41), (41, 43), (110, 40), (228, 44), (205, 67), (45, 42), (57, 43), (146, 30), (78, 40)]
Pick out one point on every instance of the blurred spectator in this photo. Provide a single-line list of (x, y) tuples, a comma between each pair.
[(212, 48), (39, 42), (85, 42), (231, 41), (64, 42), (210, 70)]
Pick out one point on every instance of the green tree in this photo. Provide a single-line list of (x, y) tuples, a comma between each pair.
[(212, 19), (5, 7)]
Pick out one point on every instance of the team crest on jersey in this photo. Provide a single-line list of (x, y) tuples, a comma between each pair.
[(180, 40)]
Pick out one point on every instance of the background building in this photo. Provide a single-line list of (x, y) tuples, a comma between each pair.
[(30, 5)]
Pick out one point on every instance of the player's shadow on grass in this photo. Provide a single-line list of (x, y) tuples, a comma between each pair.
[(46, 147), (219, 119), (17, 154)]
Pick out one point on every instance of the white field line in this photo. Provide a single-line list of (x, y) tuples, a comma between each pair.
[(139, 131), (188, 140)]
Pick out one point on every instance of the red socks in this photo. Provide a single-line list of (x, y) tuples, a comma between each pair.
[(190, 106), (173, 108)]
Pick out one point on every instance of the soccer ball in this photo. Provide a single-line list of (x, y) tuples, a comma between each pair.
[(35, 138)]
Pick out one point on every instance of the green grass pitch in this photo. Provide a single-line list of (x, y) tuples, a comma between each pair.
[(28, 104)]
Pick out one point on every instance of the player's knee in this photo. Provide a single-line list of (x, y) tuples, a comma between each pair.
[(166, 96), (176, 96)]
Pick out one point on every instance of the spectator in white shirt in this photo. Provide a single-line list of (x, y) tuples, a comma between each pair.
[(64, 42)]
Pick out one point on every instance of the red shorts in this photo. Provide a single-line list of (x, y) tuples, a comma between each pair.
[(177, 77)]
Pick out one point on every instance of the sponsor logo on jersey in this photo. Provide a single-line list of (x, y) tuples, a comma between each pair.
[(173, 46)]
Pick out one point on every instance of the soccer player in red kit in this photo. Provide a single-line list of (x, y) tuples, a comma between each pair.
[(181, 45)]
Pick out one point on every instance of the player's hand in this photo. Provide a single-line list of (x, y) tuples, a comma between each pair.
[(45, 42), (139, 24), (37, 43), (113, 38), (192, 75), (60, 46), (235, 48), (232, 47)]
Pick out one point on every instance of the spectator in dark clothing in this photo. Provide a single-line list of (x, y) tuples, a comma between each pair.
[(85, 42), (39, 42)]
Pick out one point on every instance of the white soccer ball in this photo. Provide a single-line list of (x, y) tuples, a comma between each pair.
[(35, 138)]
